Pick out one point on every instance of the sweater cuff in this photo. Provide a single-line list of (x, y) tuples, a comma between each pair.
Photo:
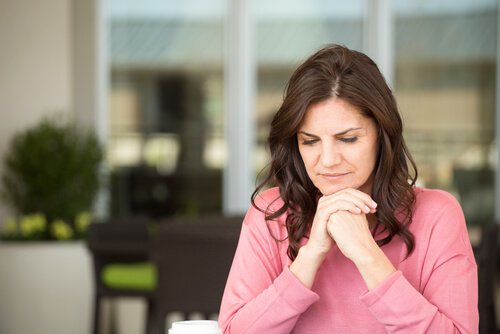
[(291, 290), (395, 300), (372, 296)]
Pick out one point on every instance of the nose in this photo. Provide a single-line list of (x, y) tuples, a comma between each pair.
[(330, 155)]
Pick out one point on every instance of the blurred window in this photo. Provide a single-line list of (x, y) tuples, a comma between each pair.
[(445, 60), (166, 145)]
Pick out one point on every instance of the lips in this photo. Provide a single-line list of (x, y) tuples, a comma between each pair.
[(333, 175)]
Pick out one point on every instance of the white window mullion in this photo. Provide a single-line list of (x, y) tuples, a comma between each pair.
[(90, 78), (239, 92), (379, 36)]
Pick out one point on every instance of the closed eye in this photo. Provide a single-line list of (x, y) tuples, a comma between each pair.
[(348, 139), (309, 141)]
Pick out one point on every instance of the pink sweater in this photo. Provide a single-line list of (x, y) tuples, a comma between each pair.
[(433, 291)]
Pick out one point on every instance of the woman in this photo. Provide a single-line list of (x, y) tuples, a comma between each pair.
[(345, 242)]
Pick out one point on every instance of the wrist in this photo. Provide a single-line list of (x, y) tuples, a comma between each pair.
[(366, 254), (313, 253), (374, 267), (306, 264)]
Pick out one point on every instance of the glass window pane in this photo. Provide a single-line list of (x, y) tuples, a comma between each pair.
[(166, 143), (445, 87)]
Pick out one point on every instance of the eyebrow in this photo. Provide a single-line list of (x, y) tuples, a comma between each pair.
[(337, 134)]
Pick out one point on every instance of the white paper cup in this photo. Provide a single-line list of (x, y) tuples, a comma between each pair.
[(195, 327)]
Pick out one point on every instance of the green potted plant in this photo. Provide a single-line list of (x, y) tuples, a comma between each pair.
[(50, 178)]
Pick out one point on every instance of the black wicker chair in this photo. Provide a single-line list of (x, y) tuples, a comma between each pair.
[(193, 258), (122, 245), (486, 257)]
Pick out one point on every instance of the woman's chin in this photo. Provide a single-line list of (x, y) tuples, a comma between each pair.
[(330, 190)]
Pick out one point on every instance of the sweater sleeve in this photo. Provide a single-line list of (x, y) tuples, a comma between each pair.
[(447, 301), (261, 295)]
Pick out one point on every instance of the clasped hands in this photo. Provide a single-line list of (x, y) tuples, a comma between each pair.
[(341, 218)]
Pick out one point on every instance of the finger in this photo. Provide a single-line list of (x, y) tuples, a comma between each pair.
[(364, 203), (346, 205), (360, 195), (331, 205), (346, 221)]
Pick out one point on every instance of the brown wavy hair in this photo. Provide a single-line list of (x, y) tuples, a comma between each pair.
[(336, 71)]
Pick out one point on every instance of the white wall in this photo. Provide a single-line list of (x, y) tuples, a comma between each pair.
[(35, 65)]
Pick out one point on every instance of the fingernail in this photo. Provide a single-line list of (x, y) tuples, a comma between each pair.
[(374, 204)]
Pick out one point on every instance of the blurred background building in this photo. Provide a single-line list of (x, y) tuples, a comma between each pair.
[(182, 93)]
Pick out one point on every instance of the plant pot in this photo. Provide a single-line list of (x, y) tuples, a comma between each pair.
[(45, 287)]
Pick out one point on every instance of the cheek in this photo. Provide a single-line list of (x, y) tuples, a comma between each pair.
[(306, 163), (364, 159), (371, 158), (308, 159)]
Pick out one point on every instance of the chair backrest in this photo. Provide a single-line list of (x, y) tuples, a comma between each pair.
[(117, 241), (486, 258), (124, 240), (193, 258)]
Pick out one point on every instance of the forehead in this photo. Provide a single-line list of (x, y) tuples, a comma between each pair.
[(335, 115)]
